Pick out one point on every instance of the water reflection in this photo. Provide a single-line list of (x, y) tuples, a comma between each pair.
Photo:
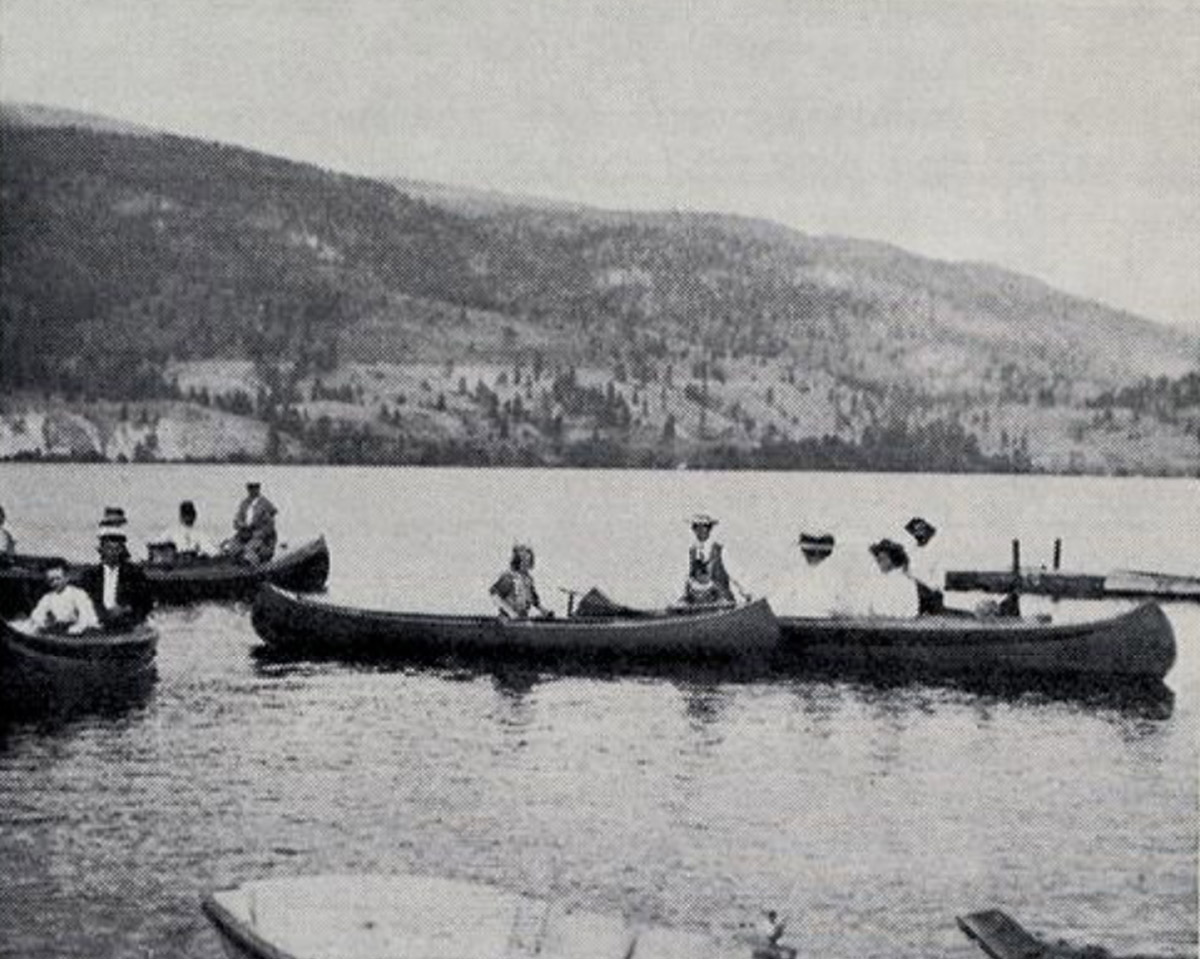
[(56, 707)]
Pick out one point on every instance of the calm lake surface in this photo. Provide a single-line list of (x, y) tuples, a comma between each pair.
[(871, 816)]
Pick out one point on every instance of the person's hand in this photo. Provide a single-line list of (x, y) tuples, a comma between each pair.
[(76, 630)]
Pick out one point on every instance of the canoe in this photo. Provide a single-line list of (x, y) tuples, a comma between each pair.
[(1119, 584), (35, 667), (420, 917), (291, 623), (1137, 645), (1002, 937), (306, 568)]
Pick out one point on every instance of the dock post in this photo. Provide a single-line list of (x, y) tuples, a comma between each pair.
[(1057, 554), (1016, 557)]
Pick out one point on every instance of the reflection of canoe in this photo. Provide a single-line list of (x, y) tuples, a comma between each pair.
[(1119, 584), (35, 666), (303, 568), (23, 581), (293, 623), (1139, 644), (418, 917)]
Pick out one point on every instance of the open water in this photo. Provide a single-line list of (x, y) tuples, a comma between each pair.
[(870, 815)]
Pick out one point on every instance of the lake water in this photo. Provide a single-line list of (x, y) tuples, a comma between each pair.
[(870, 816)]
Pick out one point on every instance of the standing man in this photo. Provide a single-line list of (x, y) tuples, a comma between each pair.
[(117, 588), (253, 527)]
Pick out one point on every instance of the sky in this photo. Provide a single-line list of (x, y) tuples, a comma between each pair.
[(1059, 138)]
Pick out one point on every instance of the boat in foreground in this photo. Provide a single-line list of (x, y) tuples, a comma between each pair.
[(291, 623), (36, 667), (305, 568), (1119, 584), (1002, 937), (181, 580), (1137, 645), (419, 917)]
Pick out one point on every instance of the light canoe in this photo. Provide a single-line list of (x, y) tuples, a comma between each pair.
[(420, 917), (291, 623), (1137, 645)]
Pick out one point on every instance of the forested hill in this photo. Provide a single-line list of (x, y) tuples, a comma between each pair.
[(127, 256)]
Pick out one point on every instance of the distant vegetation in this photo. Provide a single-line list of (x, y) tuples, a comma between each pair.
[(370, 325)]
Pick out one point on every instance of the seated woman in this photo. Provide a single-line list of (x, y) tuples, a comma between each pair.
[(513, 592), (891, 556), (708, 581)]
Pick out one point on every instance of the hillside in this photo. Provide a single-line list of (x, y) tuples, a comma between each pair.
[(440, 324)]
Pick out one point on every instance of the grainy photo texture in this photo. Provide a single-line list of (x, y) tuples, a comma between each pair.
[(501, 479)]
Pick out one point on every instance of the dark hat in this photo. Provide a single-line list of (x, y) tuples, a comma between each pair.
[(703, 519), (816, 546), (253, 484), (896, 553), (920, 529), (114, 516)]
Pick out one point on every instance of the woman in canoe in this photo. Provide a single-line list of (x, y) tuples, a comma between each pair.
[(708, 581), (514, 592)]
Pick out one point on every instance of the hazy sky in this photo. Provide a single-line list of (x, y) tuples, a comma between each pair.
[(1056, 137)]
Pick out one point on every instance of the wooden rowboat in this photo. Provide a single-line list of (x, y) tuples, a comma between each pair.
[(418, 917), (1137, 645), (1119, 584), (291, 623), (306, 568), (36, 668)]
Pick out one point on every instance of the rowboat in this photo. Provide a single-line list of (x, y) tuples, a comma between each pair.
[(1002, 937), (291, 623), (420, 917), (185, 580), (36, 667), (305, 568), (1137, 645), (1119, 584)]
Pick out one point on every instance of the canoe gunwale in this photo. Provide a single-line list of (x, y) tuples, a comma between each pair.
[(231, 927)]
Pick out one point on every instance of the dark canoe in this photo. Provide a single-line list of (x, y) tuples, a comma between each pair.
[(1137, 645), (303, 569), (291, 623), (1002, 937), (1119, 584), (306, 568), (35, 666)]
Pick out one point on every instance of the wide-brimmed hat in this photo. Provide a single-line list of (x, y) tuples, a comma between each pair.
[(920, 529), (703, 519), (816, 546), (896, 554), (113, 517)]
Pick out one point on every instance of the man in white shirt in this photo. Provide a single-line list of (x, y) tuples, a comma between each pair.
[(184, 537), (65, 608), (924, 566)]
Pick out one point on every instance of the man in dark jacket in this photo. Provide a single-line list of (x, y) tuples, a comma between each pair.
[(118, 588)]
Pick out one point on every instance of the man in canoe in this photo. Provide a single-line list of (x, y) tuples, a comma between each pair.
[(923, 567), (183, 538), (118, 588), (253, 528), (514, 592), (708, 581), (65, 608)]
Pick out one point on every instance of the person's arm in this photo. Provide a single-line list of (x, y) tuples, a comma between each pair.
[(40, 617)]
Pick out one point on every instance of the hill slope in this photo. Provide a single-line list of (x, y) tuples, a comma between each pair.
[(127, 261)]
